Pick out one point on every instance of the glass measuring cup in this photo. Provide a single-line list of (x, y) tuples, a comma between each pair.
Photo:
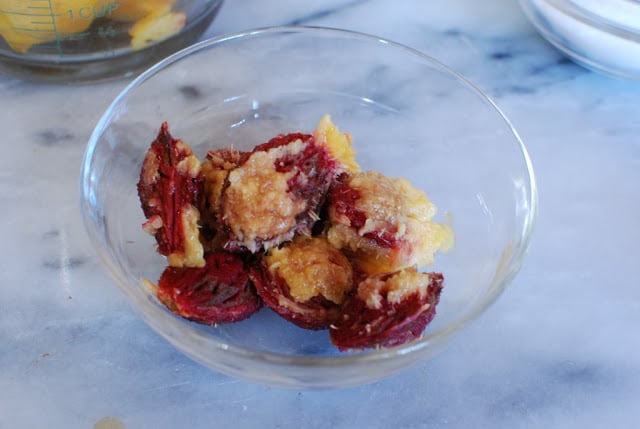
[(85, 40)]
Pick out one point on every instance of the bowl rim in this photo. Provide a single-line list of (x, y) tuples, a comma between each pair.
[(555, 19), (595, 18), (508, 268)]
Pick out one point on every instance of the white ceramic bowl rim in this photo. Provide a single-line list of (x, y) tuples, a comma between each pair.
[(618, 17)]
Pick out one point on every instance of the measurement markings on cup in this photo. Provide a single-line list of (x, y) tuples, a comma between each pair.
[(40, 22), (59, 28), (45, 5)]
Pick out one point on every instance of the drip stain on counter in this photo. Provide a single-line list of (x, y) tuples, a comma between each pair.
[(66, 263), (109, 423), (54, 137), (190, 91)]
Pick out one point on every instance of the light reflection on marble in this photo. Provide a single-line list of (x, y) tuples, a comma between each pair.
[(561, 348)]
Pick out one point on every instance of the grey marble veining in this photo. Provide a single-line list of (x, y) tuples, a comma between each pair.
[(560, 349)]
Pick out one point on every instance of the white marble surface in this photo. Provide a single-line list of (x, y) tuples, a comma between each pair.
[(560, 349)]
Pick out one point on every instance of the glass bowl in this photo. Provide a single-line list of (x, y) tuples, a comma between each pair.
[(90, 40), (601, 35), (410, 116)]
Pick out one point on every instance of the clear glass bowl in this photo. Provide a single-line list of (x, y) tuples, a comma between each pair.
[(410, 116), (89, 40), (601, 35)]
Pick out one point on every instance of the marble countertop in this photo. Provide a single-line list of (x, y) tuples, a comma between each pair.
[(560, 348)]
